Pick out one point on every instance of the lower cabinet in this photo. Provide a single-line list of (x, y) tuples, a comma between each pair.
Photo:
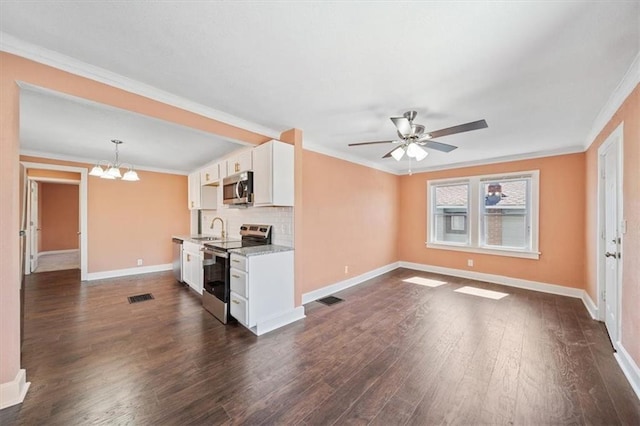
[(192, 266), (262, 291)]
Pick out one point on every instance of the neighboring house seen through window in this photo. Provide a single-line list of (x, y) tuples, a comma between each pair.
[(496, 214)]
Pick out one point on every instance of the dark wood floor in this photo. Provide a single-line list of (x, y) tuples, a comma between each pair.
[(391, 353)]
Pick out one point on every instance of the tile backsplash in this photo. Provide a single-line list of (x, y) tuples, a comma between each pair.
[(280, 218)]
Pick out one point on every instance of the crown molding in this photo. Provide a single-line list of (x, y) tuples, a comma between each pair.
[(13, 45), (615, 101), (310, 146), (505, 159), (50, 156)]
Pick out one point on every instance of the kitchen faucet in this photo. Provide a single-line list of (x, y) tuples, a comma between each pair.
[(222, 234)]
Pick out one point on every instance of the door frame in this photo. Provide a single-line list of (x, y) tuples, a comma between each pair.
[(31, 229), (83, 205), (614, 140)]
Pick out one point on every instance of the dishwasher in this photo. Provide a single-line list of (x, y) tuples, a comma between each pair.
[(177, 259)]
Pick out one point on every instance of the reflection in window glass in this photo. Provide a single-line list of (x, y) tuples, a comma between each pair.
[(450, 212), (504, 214)]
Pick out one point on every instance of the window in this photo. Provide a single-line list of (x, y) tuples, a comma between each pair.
[(450, 214), (495, 214)]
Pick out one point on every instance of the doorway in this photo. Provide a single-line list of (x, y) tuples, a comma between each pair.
[(54, 222), (611, 230), (62, 175)]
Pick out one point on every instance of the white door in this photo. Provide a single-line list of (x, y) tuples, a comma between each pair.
[(34, 227), (612, 242)]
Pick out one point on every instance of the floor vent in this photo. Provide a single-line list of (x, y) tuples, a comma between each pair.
[(330, 300), (140, 298)]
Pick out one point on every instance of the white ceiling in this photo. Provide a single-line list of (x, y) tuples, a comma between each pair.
[(538, 72), (74, 128)]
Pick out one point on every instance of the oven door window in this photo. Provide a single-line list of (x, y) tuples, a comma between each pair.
[(215, 276)]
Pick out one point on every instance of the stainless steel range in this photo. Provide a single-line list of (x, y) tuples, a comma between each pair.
[(216, 268)]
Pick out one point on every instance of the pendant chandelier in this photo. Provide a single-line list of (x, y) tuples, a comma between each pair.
[(112, 170)]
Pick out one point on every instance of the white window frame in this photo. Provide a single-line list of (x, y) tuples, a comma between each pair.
[(473, 215)]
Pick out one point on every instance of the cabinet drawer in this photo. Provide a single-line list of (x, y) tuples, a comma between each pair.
[(238, 282), (239, 308), (238, 262)]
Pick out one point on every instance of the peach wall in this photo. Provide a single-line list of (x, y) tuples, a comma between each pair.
[(127, 221), (561, 226), (14, 69), (629, 113), (349, 218), (59, 216)]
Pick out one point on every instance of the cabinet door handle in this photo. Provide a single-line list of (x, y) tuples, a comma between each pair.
[(235, 261), (235, 276), (192, 204), (207, 177), (188, 257), (235, 301)]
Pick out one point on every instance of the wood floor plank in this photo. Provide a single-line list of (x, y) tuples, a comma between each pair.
[(391, 353)]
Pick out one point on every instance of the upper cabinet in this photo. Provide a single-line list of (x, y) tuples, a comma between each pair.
[(239, 162), (273, 174), (200, 196), (210, 175)]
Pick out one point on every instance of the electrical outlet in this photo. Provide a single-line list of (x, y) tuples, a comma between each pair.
[(139, 262), (346, 269), (470, 262)]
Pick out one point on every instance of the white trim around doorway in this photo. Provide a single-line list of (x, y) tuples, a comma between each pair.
[(83, 206)]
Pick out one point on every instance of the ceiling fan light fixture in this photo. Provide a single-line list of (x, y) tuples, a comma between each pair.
[(398, 153), (415, 151)]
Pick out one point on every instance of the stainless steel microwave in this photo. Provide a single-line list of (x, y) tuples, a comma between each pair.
[(238, 189)]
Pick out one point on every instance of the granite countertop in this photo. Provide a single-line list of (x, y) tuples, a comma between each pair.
[(260, 250)]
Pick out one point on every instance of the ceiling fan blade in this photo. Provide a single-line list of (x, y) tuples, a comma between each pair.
[(368, 143), (403, 125), (388, 154), (439, 146), (474, 125)]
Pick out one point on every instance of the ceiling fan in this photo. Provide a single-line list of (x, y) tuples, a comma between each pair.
[(413, 137)]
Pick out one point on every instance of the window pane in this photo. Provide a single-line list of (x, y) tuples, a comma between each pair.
[(505, 215), (450, 214)]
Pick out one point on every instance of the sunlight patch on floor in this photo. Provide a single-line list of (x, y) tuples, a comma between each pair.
[(424, 281), (482, 292)]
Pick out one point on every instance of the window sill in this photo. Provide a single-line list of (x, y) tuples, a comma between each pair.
[(496, 252)]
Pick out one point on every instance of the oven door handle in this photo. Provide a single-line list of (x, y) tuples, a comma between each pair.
[(213, 252)]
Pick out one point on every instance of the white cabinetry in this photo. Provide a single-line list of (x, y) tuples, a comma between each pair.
[(262, 292), (201, 196), (210, 175), (239, 162), (273, 174), (192, 273)]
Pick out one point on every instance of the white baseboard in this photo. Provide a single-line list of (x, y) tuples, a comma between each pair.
[(44, 253), (498, 279), (591, 307), (341, 285), (13, 392), (629, 367), (129, 271), (279, 321)]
